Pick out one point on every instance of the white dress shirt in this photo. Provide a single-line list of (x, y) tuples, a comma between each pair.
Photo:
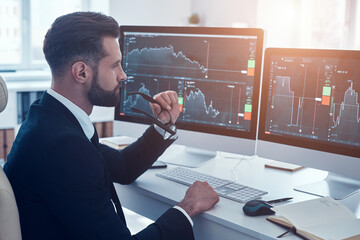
[(79, 114), (88, 127)]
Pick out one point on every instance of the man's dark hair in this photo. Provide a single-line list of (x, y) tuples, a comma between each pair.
[(78, 37)]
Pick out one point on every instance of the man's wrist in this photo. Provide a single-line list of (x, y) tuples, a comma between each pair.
[(162, 132), (189, 208)]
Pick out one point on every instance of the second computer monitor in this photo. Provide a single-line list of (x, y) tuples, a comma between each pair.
[(310, 109), (215, 72)]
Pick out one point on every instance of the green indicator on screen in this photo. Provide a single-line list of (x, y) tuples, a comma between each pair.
[(326, 91), (251, 63), (181, 100), (248, 107)]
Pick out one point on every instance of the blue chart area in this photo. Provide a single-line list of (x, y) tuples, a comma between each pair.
[(345, 124), (195, 57), (291, 110), (197, 109), (137, 101), (283, 102), (218, 104), (209, 74), (164, 61), (215, 103)]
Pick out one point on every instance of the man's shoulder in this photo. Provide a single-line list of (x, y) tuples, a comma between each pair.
[(42, 118), (41, 112), (46, 130)]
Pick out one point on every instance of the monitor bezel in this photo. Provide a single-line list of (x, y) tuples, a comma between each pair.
[(259, 33), (307, 143)]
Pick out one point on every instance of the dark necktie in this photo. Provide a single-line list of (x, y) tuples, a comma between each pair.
[(113, 195)]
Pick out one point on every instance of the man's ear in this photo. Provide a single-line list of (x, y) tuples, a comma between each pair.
[(81, 72)]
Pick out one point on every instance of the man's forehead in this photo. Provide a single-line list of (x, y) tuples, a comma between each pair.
[(108, 40), (111, 46)]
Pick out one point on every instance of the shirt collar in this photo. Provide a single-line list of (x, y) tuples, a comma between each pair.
[(79, 114)]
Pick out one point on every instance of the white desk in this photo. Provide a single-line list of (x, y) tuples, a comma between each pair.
[(150, 196)]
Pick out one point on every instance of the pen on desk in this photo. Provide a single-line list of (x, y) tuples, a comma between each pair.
[(279, 200)]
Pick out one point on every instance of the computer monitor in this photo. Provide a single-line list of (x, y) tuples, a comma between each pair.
[(216, 74), (310, 115)]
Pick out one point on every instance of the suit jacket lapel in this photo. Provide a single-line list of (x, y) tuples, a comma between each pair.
[(49, 101), (113, 194)]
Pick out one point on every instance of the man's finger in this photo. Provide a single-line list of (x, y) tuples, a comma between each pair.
[(174, 98), (156, 108), (166, 97), (165, 103)]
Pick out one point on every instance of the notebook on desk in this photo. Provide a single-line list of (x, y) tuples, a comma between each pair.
[(321, 218), (119, 142)]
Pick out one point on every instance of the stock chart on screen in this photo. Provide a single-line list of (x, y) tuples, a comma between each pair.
[(213, 75), (315, 98)]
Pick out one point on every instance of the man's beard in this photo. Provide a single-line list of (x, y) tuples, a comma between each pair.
[(100, 97)]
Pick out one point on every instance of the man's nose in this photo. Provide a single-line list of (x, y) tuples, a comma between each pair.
[(122, 76)]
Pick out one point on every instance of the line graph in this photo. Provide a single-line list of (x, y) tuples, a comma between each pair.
[(349, 106), (291, 108), (137, 101), (209, 73), (345, 125), (316, 92), (166, 61), (216, 103), (315, 99), (199, 57), (162, 53), (196, 106)]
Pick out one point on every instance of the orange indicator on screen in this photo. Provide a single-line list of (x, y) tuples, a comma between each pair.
[(325, 100), (247, 116)]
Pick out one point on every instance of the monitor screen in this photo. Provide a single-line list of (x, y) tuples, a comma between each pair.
[(310, 115), (212, 70), (215, 72), (311, 99)]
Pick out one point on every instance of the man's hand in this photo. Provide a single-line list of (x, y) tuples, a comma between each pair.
[(199, 198), (168, 100)]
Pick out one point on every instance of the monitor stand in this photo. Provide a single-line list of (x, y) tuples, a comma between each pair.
[(186, 156), (334, 185)]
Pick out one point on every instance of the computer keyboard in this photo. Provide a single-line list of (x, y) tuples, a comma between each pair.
[(225, 188)]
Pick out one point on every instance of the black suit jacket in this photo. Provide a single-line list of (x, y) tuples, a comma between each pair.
[(62, 181)]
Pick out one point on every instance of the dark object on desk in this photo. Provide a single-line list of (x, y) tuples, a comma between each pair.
[(279, 200), (159, 164), (257, 208)]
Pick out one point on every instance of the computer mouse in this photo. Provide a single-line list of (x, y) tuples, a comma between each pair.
[(257, 208)]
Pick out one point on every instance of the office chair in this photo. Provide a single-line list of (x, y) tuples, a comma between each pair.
[(9, 215), (3, 94)]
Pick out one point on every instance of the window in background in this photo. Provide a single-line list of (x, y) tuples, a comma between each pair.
[(357, 26), (10, 32), (327, 27), (42, 15), (23, 25), (310, 24)]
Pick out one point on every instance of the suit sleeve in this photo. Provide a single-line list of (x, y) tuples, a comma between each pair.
[(76, 192), (128, 164), (77, 196), (171, 225)]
